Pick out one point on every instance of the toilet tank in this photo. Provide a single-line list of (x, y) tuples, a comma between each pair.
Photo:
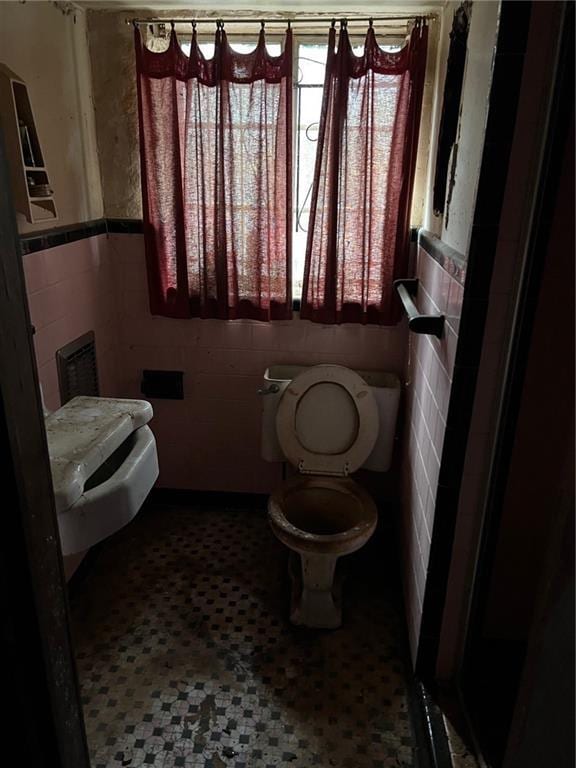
[(385, 388)]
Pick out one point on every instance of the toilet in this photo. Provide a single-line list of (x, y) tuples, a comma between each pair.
[(327, 425)]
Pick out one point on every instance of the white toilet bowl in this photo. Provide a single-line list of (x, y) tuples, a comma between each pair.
[(320, 519), (327, 424)]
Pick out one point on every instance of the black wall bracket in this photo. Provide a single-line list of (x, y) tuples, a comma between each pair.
[(162, 385), (431, 325)]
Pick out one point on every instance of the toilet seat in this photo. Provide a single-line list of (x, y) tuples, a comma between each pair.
[(327, 421)]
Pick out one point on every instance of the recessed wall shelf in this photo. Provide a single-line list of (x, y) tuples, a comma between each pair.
[(33, 195)]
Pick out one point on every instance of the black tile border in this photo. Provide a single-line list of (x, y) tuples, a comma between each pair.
[(30, 242), (50, 238), (125, 226), (449, 258)]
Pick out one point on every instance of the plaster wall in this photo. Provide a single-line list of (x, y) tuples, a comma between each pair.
[(48, 49), (455, 227), (116, 112), (424, 156)]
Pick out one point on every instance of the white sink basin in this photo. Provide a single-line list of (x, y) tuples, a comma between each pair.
[(104, 463)]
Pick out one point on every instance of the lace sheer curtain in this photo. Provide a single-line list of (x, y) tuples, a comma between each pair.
[(358, 236), (216, 156)]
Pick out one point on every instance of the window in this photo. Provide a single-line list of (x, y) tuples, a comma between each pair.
[(310, 66), (309, 83), (309, 72)]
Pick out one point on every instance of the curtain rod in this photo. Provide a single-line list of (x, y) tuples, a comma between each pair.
[(286, 20)]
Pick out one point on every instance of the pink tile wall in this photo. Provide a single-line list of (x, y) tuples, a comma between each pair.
[(430, 367), (71, 290), (211, 439)]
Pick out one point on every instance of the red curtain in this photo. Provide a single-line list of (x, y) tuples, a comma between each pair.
[(216, 160), (358, 235)]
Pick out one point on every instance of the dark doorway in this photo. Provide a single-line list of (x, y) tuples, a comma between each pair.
[(531, 494)]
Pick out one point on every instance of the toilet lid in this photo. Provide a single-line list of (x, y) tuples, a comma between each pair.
[(327, 421)]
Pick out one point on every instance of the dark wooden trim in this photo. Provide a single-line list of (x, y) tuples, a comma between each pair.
[(558, 141), (506, 78), (42, 718)]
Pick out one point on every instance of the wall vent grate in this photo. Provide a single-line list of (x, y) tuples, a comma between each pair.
[(77, 371)]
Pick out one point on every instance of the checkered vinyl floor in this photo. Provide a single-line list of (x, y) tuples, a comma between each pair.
[(186, 656)]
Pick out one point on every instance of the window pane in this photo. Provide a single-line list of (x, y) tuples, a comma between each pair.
[(311, 64), (310, 106), (274, 49), (207, 48), (310, 79)]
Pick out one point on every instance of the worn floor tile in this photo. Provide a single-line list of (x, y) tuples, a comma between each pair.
[(186, 656)]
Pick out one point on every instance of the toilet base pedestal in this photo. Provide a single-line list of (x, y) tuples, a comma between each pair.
[(316, 594)]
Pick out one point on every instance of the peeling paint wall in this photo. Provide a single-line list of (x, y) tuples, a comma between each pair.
[(456, 225), (424, 156), (116, 112), (48, 49)]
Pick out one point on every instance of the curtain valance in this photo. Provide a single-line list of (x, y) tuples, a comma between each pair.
[(225, 64)]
